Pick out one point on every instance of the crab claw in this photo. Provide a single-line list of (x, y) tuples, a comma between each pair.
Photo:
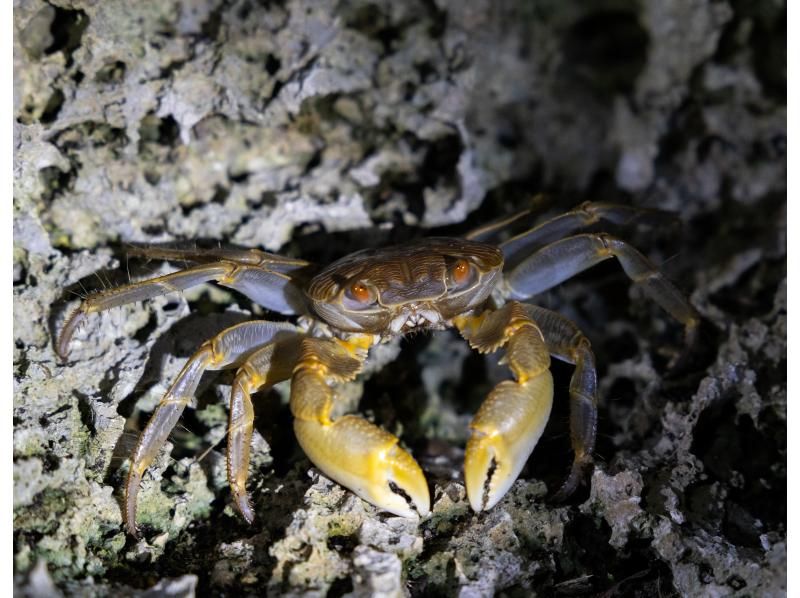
[(504, 432), (367, 460)]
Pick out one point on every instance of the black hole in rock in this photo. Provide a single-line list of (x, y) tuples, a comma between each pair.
[(67, 29), (623, 346), (426, 71), (756, 289), (244, 11), (171, 306), (239, 177), (272, 64), (749, 461), (622, 393), (168, 131), (86, 412), (343, 544), (705, 573), (769, 54), (53, 107), (55, 181), (49, 462), (161, 131), (111, 72), (220, 195), (607, 48), (315, 161), (341, 586), (152, 178), (441, 160), (211, 27), (145, 331)]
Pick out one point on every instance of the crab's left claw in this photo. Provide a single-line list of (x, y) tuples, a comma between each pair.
[(504, 432), (349, 449), (368, 461)]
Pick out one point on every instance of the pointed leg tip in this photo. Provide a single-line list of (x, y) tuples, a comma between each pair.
[(65, 336), (576, 476), (131, 493), (244, 507)]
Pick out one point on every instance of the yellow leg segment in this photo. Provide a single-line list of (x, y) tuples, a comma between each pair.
[(265, 367), (350, 450), (510, 422)]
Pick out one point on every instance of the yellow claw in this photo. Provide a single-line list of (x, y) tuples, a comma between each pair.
[(504, 432), (349, 449), (367, 460)]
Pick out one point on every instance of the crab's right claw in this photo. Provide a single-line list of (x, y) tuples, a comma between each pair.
[(367, 460), (511, 420)]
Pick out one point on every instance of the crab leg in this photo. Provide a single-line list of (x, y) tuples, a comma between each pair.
[(266, 366), (248, 257), (583, 216), (487, 232), (273, 290), (225, 349), (566, 342), (563, 259), (511, 420), (352, 451)]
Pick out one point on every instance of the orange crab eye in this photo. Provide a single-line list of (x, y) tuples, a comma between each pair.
[(460, 272), (360, 292)]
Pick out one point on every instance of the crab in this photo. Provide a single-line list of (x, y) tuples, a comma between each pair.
[(368, 297)]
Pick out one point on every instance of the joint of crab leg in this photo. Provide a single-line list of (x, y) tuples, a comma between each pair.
[(134, 292), (504, 433), (272, 289)]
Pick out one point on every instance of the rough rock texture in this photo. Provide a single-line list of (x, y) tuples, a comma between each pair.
[(316, 128)]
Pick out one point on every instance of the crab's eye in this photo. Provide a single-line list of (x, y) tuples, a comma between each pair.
[(360, 294), (460, 274)]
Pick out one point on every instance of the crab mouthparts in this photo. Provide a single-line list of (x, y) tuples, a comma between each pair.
[(410, 319)]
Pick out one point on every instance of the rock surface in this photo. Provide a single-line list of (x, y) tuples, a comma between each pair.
[(317, 128)]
